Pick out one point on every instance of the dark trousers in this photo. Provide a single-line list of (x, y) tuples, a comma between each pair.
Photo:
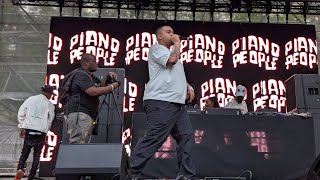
[(165, 118), (31, 141)]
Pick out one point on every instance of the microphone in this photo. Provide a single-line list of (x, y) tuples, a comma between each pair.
[(185, 38)]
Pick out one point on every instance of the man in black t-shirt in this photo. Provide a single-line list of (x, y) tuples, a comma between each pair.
[(83, 104)]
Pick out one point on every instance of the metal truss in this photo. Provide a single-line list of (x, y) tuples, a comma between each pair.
[(304, 7)]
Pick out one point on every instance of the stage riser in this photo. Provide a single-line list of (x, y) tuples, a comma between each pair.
[(225, 148)]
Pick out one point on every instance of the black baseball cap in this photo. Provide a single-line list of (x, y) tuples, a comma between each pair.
[(48, 89)]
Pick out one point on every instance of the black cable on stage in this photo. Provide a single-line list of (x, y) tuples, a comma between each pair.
[(246, 171), (115, 176)]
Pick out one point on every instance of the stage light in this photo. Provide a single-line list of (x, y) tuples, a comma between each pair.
[(61, 4), (268, 8), (305, 10), (212, 8), (80, 4), (176, 7), (235, 4), (100, 6), (193, 9), (248, 8), (157, 8), (118, 8), (138, 8), (287, 10), (146, 3)]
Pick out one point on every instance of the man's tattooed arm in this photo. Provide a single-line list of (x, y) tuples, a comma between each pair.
[(174, 55)]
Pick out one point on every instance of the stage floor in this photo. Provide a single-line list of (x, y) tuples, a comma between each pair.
[(53, 178), (42, 178)]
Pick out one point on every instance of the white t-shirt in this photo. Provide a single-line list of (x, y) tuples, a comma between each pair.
[(165, 83), (233, 104)]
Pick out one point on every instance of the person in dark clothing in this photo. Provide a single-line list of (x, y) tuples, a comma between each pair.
[(82, 107)]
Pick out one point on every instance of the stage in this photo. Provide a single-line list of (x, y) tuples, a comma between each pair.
[(270, 145)]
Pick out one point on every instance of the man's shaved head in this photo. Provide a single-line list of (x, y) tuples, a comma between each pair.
[(88, 62), (164, 34), (159, 29), (86, 57)]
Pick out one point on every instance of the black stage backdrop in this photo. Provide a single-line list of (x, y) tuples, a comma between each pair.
[(219, 57)]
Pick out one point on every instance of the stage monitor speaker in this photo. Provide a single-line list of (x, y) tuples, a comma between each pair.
[(102, 161), (303, 93)]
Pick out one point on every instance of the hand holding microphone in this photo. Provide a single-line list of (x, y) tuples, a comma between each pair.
[(175, 39), (185, 38)]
